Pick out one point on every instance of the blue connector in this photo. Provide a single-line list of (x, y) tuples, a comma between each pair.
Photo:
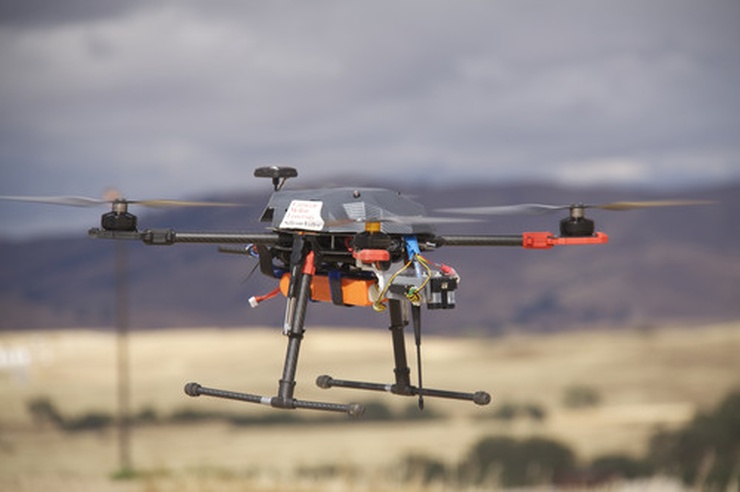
[(412, 247)]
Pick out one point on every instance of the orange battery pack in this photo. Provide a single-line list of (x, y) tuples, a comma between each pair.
[(355, 292)]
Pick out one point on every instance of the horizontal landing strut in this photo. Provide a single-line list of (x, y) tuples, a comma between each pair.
[(352, 409), (479, 397)]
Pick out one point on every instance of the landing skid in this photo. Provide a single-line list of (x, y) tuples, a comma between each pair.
[(479, 397), (353, 409)]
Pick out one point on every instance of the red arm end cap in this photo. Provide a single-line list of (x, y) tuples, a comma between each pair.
[(545, 240)]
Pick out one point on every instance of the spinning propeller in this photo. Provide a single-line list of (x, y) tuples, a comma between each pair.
[(576, 224), (541, 208), (118, 219)]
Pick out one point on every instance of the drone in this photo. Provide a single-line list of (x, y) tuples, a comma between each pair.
[(364, 247)]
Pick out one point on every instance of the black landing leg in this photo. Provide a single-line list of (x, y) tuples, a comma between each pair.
[(401, 370), (294, 326)]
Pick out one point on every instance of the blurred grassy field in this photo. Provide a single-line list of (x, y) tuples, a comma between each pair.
[(646, 378)]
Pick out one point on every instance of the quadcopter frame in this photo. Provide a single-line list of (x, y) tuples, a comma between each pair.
[(368, 239)]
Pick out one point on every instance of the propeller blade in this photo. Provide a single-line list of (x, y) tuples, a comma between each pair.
[(419, 219), (400, 219), (521, 209), (180, 203), (540, 208), (648, 204), (71, 201), (81, 201)]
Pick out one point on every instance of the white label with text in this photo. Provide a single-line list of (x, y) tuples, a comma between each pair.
[(303, 214)]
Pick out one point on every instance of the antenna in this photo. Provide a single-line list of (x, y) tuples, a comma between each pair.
[(279, 174)]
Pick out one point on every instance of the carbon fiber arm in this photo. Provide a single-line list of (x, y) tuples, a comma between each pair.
[(166, 237), (526, 240), (479, 240)]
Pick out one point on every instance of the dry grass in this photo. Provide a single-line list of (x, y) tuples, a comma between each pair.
[(646, 379)]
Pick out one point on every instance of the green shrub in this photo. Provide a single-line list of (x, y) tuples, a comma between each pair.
[(43, 411), (412, 412), (147, 415), (183, 415), (620, 466), (535, 412), (268, 418), (581, 397), (377, 410), (326, 471), (706, 452), (508, 411), (507, 462), (418, 468), (89, 421)]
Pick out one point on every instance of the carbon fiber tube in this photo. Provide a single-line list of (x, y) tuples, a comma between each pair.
[(353, 409), (325, 382), (166, 237), (224, 238), (480, 240), (195, 389), (479, 397)]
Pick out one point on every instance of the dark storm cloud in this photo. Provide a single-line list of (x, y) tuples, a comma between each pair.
[(177, 98), (45, 13)]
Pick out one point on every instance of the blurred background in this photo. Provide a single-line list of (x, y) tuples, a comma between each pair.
[(486, 103)]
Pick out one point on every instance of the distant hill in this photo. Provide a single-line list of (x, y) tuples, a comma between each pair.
[(661, 265)]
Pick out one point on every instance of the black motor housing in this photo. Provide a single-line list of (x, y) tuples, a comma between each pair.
[(576, 227), (118, 221)]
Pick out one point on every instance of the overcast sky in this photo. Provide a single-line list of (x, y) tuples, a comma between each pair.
[(177, 99)]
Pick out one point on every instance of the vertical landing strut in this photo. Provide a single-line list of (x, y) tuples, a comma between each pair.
[(299, 293)]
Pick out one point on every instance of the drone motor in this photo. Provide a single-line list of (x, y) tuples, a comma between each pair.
[(576, 224), (118, 219)]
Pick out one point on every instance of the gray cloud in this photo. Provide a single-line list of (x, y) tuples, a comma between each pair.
[(179, 98), (42, 13)]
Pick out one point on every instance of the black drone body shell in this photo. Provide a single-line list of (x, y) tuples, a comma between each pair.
[(345, 210)]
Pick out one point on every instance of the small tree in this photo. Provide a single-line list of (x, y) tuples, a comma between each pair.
[(706, 452), (506, 411), (511, 463), (535, 412), (43, 411), (620, 466), (423, 469), (580, 396)]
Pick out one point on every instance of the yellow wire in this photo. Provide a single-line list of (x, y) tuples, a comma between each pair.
[(378, 305), (413, 294)]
